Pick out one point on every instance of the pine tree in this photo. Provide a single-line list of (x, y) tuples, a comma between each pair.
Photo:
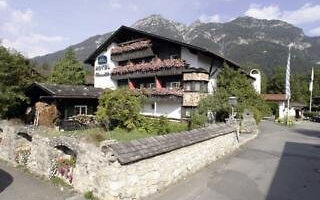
[(68, 70)]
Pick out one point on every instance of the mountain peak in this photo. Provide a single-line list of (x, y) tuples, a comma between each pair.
[(244, 39)]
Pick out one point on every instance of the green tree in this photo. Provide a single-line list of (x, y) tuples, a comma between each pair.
[(316, 82), (277, 81), (16, 73), (232, 83), (68, 70), (299, 88), (119, 108), (299, 85)]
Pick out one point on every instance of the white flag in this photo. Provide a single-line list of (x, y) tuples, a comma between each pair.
[(311, 81), (287, 86)]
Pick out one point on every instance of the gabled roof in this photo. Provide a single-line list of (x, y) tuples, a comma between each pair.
[(102, 47), (67, 91), (274, 97)]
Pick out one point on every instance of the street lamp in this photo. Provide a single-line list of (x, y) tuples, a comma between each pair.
[(232, 102)]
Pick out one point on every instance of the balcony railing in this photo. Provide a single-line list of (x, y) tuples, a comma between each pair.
[(156, 65)]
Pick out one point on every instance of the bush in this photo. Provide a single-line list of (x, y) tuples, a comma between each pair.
[(310, 114), (160, 126), (119, 108), (198, 120)]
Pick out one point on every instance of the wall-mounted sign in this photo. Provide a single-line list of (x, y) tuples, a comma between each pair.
[(102, 60), (102, 67)]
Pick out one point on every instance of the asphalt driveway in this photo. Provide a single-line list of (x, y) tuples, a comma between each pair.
[(16, 185), (282, 163)]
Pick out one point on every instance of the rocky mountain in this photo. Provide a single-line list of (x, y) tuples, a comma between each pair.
[(246, 40)]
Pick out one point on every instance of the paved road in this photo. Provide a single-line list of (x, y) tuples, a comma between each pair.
[(15, 185), (282, 163)]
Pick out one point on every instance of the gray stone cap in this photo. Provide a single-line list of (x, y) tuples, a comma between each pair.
[(148, 147)]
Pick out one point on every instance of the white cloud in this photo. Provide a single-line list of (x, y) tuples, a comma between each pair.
[(207, 19), (266, 12), (115, 4), (18, 32), (3, 4), (315, 32), (306, 14)]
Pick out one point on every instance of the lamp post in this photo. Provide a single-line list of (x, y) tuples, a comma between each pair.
[(232, 102)]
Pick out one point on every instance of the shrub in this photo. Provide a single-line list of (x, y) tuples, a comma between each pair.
[(119, 108), (160, 126), (198, 120), (89, 195), (310, 114)]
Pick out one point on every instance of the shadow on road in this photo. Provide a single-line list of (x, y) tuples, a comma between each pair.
[(298, 173), (308, 132), (5, 180)]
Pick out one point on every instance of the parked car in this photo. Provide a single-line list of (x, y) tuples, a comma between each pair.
[(315, 118)]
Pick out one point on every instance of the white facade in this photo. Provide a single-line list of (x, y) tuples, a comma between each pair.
[(169, 109), (283, 110), (255, 73), (196, 60), (102, 73), (190, 58)]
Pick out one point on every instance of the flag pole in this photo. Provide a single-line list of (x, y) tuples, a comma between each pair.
[(311, 89), (287, 83), (310, 101)]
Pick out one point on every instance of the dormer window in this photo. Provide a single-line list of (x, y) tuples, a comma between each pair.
[(102, 60)]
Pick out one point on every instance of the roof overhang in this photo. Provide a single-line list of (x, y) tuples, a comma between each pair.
[(91, 59)]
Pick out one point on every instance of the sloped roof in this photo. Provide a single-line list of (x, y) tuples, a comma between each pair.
[(102, 47), (274, 97), (68, 91)]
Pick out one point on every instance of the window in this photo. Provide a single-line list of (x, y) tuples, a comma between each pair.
[(173, 85), (188, 111), (187, 86), (196, 86), (204, 87), (147, 85), (81, 110)]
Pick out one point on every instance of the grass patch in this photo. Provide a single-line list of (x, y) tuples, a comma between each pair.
[(89, 195), (56, 181), (97, 135)]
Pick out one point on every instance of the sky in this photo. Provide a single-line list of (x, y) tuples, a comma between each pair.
[(39, 27)]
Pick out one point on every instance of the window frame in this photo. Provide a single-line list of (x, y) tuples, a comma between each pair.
[(85, 107)]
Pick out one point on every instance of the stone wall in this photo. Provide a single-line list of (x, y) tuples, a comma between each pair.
[(125, 170), (192, 98)]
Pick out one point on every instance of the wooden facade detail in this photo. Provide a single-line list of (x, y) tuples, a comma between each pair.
[(143, 53), (154, 66), (195, 76), (46, 114), (131, 46), (192, 99)]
